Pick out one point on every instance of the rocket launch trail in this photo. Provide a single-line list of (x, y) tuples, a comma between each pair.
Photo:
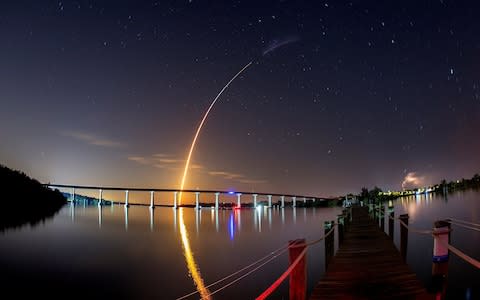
[(189, 257), (197, 133)]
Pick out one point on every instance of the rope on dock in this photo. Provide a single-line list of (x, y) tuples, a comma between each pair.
[(414, 229), (462, 255), (284, 248), (316, 241), (465, 222), (266, 259), (287, 272), (456, 251), (465, 226), (246, 274), (280, 279)]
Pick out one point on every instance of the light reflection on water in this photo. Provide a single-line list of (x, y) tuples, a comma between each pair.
[(140, 250)]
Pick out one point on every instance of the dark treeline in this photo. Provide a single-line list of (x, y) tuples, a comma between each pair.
[(461, 184), (25, 200)]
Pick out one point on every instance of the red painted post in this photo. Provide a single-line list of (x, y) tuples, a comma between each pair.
[(403, 236), (298, 276), (441, 237)]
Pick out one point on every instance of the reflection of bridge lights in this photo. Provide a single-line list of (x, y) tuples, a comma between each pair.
[(259, 208), (231, 227)]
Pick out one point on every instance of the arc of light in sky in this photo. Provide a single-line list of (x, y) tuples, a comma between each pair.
[(187, 251), (192, 147)]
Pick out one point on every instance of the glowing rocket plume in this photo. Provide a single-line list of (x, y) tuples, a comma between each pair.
[(192, 147), (187, 251)]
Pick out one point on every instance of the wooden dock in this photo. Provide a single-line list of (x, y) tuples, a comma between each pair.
[(368, 266)]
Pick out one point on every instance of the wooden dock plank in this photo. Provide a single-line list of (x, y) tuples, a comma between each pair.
[(368, 266)]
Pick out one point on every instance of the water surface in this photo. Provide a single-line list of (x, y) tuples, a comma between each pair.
[(138, 253)]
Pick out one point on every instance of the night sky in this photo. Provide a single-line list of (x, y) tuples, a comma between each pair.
[(340, 95)]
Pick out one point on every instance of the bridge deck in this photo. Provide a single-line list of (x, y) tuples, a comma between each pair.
[(368, 266)]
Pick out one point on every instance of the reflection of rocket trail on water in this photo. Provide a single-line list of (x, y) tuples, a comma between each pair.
[(191, 264)]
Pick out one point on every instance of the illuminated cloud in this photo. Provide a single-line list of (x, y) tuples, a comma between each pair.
[(171, 163), (413, 180), (226, 175), (236, 177), (139, 159), (162, 161), (92, 139), (253, 181)]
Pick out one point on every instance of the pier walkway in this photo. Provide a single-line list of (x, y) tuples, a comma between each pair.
[(368, 266)]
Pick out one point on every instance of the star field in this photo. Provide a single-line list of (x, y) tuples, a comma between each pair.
[(341, 94)]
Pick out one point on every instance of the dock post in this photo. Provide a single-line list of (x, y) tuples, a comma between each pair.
[(73, 194), (100, 197), (341, 228), (391, 222), (126, 198), (441, 237), (269, 201), (255, 200), (152, 199), (239, 204), (197, 198), (404, 236), (294, 199), (382, 218), (282, 199), (175, 200), (217, 194), (329, 242), (345, 219), (298, 277)]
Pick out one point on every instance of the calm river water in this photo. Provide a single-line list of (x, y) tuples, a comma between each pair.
[(86, 251)]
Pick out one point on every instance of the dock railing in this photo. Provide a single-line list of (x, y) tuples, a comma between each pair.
[(441, 234)]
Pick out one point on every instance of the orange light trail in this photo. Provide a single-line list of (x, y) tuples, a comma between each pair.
[(187, 251), (192, 146)]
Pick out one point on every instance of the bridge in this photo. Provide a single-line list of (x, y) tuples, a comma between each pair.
[(282, 199)]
